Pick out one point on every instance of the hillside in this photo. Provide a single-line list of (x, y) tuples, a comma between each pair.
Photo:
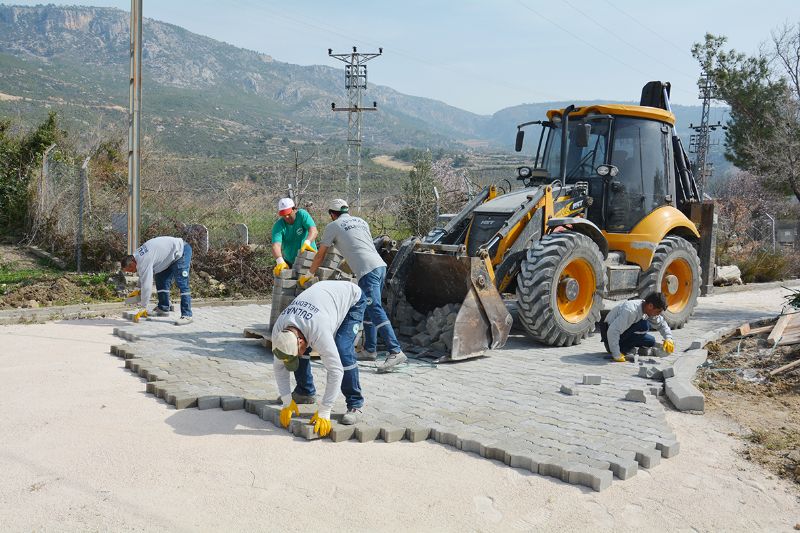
[(208, 99)]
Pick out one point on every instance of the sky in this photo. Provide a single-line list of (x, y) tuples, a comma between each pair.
[(483, 56)]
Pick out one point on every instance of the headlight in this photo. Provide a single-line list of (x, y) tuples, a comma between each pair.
[(524, 172), (603, 170)]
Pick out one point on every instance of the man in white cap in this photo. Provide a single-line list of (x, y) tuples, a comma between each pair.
[(166, 259), (292, 233), (352, 237), (325, 317)]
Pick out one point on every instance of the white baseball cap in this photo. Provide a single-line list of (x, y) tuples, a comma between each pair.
[(285, 206), (338, 205), (284, 347)]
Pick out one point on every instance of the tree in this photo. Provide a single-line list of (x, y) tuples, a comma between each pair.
[(418, 204), (763, 92)]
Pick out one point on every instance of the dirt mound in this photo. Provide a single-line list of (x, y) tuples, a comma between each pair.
[(44, 293)]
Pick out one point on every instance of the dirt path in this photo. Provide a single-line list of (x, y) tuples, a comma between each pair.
[(83, 447), (389, 161)]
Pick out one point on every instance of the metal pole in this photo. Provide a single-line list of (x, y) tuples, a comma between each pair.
[(772, 220), (84, 184), (436, 194), (134, 120)]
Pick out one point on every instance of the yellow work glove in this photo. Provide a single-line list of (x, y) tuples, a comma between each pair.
[(322, 426), (140, 314), (137, 292), (620, 358), (279, 267), (307, 247), (133, 297), (304, 279), (287, 412), (669, 346)]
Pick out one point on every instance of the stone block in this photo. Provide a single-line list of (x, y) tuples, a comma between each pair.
[(636, 395), (366, 433), (208, 402), (421, 339), (683, 395), (417, 433), (569, 390), (392, 433), (668, 372), (592, 379), (440, 346), (341, 432), (589, 477), (668, 448), (648, 457), (305, 431), (185, 401), (470, 446), (324, 273), (650, 372), (286, 273), (686, 364), (493, 451), (445, 437), (407, 331), (285, 284), (231, 403), (521, 460)]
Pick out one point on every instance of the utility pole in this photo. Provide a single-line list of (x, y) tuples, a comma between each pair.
[(700, 142), (355, 81), (134, 120)]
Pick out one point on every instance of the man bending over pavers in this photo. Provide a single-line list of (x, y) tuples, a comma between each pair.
[(626, 327), (166, 259), (325, 317), (352, 237)]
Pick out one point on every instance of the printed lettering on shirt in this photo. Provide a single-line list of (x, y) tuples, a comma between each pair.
[(301, 309), (142, 250)]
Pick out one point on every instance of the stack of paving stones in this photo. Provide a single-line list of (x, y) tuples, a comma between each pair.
[(434, 330), (286, 286), (520, 418)]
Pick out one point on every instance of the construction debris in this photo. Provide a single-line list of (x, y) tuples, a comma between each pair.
[(434, 330)]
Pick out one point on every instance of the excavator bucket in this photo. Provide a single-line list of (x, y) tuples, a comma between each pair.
[(433, 276)]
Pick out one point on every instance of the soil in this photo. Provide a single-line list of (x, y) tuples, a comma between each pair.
[(737, 384)]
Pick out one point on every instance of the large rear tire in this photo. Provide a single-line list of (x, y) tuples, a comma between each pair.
[(559, 288), (675, 272)]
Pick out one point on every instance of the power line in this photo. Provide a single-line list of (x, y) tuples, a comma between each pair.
[(651, 30)]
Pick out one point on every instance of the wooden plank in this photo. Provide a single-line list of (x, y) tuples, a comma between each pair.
[(743, 330), (777, 331), (758, 331), (784, 368)]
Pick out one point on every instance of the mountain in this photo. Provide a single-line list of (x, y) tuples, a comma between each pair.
[(206, 98)]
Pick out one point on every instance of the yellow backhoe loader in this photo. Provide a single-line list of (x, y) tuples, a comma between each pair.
[(602, 214)]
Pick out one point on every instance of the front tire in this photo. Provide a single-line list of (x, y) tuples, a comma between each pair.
[(559, 288), (674, 272)]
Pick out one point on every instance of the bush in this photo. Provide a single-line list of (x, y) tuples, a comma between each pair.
[(762, 266)]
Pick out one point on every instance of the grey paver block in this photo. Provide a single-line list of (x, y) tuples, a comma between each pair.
[(521, 460), (669, 448), (340, 432), (445, 437), (392, 433), (683, 395), (592, 379), (648, 458), (470, 446), (668, 372), (417, 433), (493, 451), (366, 433), (636, 395), (231, 403), (207, 402), (304, 430), (569, 390), (185, 402)]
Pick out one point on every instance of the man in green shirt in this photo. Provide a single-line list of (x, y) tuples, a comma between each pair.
[(293, 232)]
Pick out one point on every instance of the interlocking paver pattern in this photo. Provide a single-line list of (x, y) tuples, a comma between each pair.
[(508, 406)]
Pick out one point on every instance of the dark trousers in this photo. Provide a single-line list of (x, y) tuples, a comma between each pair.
[(345, 343), (633, 337), (179, 273)]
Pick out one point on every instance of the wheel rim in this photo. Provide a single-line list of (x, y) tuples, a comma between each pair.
[(678, 298), (576, 307)]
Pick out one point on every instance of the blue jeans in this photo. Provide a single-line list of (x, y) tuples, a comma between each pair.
[(345, 343), (178, 271), (376, 319), (635, 336)]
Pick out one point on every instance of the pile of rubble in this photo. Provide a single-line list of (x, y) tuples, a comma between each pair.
[(286, 286), (434, 330)]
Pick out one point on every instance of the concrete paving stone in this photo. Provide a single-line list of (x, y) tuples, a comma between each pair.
[(445, 437), (366, 433), (668, 448), (521, 459), (592, 379), (185, 402), (636, 395), (231, 403), (683, 395), (569, 389), (494, 451), (340, 432), (208, 402), (469, 446), (417, 433), (392, 433), (305, 431)]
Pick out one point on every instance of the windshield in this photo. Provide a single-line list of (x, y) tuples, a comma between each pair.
[(582, 161)]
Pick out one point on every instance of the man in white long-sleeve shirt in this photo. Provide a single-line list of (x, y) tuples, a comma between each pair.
[(163, 259), (326, 317), (626, 326)]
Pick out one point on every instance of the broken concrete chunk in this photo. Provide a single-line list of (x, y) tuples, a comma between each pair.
[(636, 395)]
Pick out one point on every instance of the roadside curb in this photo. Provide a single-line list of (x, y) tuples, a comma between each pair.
[(755, 286)]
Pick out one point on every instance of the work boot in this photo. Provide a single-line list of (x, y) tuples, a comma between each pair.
[(392, 360), (351, 416), (182, 321), (300, 399), (160, 312), (363, 355), (644, 351)]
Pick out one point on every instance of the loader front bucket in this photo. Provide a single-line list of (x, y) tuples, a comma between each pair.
[(434, 279)]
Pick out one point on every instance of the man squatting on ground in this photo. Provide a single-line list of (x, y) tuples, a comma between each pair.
[(325, 317), (352, 237), (292, 233), (166, 259), (626, 327)]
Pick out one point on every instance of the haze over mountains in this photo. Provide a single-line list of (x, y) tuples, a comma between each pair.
[(205, 97)]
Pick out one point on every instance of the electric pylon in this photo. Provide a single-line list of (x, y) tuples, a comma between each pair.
[(355, 81)]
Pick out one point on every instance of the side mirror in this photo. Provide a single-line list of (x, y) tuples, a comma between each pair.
[(583, 132), (520, 138)]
